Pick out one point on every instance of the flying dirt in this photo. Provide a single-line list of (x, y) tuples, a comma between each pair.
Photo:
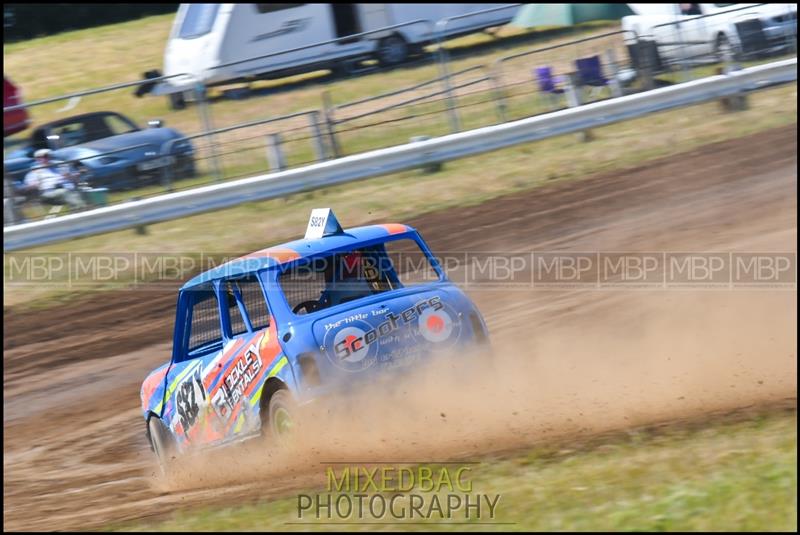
[(567, 362)]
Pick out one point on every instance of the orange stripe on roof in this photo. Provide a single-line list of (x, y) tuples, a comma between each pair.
[(395, 228), (279, 254)]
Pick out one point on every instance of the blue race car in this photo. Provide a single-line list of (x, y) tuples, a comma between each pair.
[(109, 150), (260, 336)]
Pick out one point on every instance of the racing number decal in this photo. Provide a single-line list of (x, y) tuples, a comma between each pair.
[(186, 400)]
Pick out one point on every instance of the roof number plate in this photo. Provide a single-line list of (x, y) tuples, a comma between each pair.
[(322, 223)]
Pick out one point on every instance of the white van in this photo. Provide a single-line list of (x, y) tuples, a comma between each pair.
[(700, 33), (206, 38)]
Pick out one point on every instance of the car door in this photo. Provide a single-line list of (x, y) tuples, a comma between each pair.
[(687, 33), (199, 344), (228, 347)]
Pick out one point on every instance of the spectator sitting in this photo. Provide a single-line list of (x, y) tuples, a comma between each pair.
[(53, 185)]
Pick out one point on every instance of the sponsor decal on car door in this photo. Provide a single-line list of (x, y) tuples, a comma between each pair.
[(218, 398)]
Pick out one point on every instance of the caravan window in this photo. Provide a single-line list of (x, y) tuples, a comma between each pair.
[(269, 8), (199, 20)]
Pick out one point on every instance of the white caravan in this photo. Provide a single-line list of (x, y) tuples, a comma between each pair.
[(211, 43)]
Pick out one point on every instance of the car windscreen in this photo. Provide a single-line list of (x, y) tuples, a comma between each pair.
[(198, 21), (91, 128), (118, 124), (346, 276)]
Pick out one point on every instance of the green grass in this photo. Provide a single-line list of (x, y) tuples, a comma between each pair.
[(731, 475), (399, 196)]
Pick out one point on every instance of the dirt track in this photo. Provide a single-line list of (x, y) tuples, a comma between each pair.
[(74, 449)]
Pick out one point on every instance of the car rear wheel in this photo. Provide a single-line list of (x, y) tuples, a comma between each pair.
[(163, 445), (282, 418)]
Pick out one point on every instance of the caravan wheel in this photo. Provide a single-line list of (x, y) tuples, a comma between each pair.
[(176, 101), (393, 50)]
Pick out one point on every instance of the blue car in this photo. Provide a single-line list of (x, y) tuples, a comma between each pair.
[(259, 337), (109, 149)]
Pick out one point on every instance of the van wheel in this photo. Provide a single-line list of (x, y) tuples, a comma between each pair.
[(343, 68), (176, 101), (393, 50)]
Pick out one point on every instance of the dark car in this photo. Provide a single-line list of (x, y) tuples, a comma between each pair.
[(13, 120), (110, 149)]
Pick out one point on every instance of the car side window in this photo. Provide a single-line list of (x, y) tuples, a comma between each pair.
[(245, 303), (335, 279), (96, 128), (117, 125), (70, 134), (410, 263), (204, 333), (39, 141)]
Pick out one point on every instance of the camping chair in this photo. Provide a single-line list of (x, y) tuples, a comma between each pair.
[(590, 74), (548, 84)]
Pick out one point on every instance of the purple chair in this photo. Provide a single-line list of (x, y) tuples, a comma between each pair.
[(549, 85), (590, 72), (547, 82)]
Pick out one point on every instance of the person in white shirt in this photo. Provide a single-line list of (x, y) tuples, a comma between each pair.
[(54, 186)]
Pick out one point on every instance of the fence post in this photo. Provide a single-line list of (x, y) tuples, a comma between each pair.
[(574, 100), (648, 55), (444, 72), (330, 123), (275, 157), (684, 61), (616, 87), (317, 140), (166, 177), (499, 98), (791, 36), (737, 102), (433, 167), (9, 206), (205, 115)]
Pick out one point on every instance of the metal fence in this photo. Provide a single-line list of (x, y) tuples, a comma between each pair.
[(407, 156), (464, 93)]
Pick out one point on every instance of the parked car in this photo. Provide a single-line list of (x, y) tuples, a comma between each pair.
[(14, 120), (700, 33), (110, 149), (259, 337)]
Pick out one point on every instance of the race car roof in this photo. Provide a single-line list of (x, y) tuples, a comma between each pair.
[(288, 252)]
